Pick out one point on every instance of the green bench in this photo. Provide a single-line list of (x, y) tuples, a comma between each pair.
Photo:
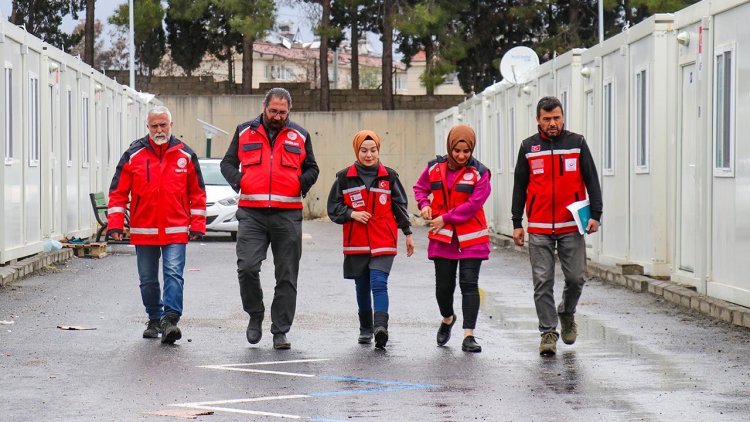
[(99, 204)]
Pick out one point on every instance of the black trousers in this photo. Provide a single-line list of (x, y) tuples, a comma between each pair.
[(468, 280), (282, 229)]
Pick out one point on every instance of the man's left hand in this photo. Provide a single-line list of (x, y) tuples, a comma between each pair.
[(592, 226)]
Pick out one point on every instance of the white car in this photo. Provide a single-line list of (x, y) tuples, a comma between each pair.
[(221, 199)]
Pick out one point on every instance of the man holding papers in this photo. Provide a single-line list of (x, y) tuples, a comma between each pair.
[(554, 170)]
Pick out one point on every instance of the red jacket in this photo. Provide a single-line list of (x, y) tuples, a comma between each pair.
[(472, 232), (261, 164), (165, 189)]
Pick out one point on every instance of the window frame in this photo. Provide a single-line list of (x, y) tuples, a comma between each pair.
[(8, 114), (728, 168), (85, 134), (34, 119), (642, 127), (608, 128)]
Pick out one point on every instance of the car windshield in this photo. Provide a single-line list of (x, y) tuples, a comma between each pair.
[(212, 174)]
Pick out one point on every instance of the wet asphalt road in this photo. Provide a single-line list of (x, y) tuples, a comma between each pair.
[(637, 357)]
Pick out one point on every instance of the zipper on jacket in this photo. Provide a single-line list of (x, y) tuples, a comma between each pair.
[(561, 164), (270, 169), (552, 146), (148, 171)]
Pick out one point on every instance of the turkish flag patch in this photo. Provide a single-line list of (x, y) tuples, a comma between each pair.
[(536, 148)]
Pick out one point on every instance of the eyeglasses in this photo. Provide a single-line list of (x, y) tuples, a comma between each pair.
[(281, 113)]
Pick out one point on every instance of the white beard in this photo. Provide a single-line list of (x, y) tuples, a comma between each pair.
[(160, 141)]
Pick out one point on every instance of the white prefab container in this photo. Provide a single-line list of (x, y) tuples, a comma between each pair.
[(592, 126), (651, 73), (59, 141), (713, 188), (614, 169), (693, 161), (496, 148)]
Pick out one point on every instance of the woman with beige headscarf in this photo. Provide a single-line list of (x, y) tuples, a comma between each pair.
[(369, 200), (459, 185)]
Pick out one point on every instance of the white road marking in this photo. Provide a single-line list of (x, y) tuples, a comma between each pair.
[(214, 405), (239, 367), (258, 371)]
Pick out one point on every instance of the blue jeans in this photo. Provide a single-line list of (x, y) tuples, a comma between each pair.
[(375, 284), (173, 264)]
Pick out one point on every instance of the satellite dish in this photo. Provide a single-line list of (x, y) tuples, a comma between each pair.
[(517, 62)]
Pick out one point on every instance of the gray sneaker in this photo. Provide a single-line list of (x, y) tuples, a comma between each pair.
[(568, 328), (548, 346)]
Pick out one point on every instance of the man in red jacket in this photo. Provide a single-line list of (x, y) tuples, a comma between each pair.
[(555, 169), (161, 179), (270, 162)]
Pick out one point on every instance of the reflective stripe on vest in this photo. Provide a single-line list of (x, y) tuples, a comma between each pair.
[(356, 248), (115, 209), (445, 232), (381, 250), (139, 230), (197, 212), (172, 230), (475, 235), (549, 225), (266, 197), (556, 152)]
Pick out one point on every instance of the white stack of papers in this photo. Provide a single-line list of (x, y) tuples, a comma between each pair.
[(581, 211)]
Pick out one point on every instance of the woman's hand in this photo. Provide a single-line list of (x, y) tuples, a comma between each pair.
[(409, 245), (361, 216), (437, 224), (426, 212)]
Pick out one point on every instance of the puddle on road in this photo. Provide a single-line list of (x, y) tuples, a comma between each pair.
[(605, 369)]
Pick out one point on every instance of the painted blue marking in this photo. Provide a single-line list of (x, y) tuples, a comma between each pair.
[(393, 386), (385, 382)]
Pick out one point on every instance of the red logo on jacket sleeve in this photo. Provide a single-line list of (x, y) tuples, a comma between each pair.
[(536, 148)]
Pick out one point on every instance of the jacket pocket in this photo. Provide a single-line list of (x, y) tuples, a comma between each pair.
[(251, 154), (290, 156)]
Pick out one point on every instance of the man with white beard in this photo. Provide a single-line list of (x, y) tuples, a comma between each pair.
[(161, 178)]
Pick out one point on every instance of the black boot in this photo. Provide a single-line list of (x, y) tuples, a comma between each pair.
[(365, 328), (381, 329), (170, 331)]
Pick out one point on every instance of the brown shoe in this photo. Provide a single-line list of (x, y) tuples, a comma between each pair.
[(548, 346), (568, 328)]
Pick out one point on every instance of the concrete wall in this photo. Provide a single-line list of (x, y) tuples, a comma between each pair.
[(407, 136)]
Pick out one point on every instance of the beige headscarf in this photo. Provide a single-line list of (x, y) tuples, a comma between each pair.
[(458, 134), (362, 136)]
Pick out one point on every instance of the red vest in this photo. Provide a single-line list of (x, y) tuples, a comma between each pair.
[(379, 236), (472, 232), (555, 182), (270, 177)]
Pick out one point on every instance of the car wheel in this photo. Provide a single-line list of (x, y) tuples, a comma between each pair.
[(234, 236)]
